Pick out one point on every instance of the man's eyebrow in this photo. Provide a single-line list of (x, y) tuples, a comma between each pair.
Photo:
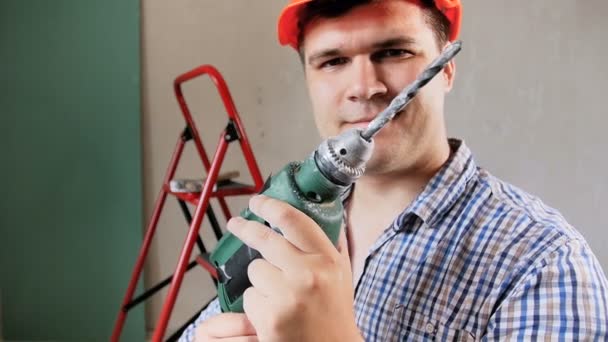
[(394, 42), (383, 44), (323, 54)]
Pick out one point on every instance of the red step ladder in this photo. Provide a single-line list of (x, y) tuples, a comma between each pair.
[(213, 186)]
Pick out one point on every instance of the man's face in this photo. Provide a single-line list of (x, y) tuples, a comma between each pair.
[(357, 63)]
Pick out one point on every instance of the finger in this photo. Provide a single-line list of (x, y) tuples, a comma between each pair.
[(202, 337), (345, 252), (273, 247), (227, 325), (297, 227), (254, 305), (343, 244), (265, 277), (240, 339), (205, 338)]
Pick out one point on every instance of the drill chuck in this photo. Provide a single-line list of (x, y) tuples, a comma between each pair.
[(342, 159)]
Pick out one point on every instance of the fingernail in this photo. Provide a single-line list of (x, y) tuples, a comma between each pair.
[(233, 222), (253, 202)]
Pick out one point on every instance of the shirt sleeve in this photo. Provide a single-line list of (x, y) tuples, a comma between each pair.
[(563, 298), (211, 310)]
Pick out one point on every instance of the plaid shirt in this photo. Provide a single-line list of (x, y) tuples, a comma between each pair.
[(475, 258)]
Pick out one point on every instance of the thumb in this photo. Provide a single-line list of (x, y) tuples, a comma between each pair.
[(343, 244), (226, 325), (344, 253)]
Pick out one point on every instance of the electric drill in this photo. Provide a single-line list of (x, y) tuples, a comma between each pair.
[(314, 186)]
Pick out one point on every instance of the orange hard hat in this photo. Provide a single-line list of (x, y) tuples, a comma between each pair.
[(288, 20)]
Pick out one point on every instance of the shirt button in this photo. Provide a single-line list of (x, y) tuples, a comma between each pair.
[(430, 328)]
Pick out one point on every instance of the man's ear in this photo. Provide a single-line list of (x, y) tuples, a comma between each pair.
[(449, 72)]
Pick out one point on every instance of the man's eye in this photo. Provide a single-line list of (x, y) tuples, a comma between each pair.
[(333, 62), (391, 53)]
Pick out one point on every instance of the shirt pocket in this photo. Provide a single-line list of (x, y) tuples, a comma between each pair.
[(409, 325)]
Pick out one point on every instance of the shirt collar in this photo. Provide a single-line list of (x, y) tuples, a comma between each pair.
[(444, 189)]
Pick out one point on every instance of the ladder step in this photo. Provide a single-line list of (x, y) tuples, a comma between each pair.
[(151, 291), (189, 190), (196, 185)]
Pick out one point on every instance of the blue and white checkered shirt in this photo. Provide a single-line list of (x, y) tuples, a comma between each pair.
[(474, 258)]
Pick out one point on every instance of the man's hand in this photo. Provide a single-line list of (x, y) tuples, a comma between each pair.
[(228, 327), (302, 289)]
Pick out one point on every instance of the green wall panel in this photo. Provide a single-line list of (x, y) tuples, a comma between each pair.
[(70, 167)]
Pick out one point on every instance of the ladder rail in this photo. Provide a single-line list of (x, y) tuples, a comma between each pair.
[(202, 201)]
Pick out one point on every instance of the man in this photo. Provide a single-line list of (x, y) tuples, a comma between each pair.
[(438, 248)]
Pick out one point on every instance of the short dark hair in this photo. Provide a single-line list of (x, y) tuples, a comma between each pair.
[(316, 9)]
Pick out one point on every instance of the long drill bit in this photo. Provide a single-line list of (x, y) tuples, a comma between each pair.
[(401, 100)]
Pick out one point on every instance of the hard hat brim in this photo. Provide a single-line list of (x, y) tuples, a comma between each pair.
[(288, 30)]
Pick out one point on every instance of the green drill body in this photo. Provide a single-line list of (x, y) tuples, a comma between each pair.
[(303, 186)]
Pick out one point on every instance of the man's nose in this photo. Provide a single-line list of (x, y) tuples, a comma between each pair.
[(366, 81)]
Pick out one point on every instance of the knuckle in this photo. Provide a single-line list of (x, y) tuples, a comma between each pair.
[(319, 275), (258, 203), (264, 234), (241, 325), (254, 267), (332, 263), (296, 304), (285, 216), (326, 262), (308, 282), (275, 324), (251, 272), (200, 334), (247, 296), (202, 331)]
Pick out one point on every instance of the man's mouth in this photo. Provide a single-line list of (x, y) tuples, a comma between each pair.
[(362, 124)]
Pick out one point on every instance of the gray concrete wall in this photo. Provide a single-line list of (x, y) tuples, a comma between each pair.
[(529, 101)]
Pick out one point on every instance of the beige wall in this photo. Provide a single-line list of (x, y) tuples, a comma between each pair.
[(529, 100)]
